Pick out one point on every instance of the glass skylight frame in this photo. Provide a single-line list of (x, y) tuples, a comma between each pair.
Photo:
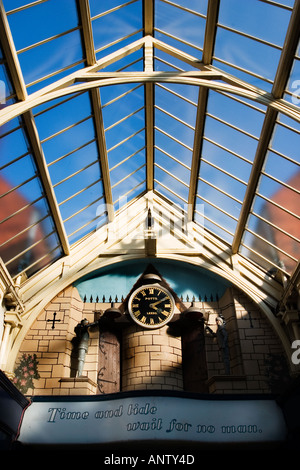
[(131, 167)]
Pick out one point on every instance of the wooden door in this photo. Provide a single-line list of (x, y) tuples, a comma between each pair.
[(109, 362)]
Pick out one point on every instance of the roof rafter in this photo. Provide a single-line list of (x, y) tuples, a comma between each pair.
[(30, 128), (88, 41), (208, 47), (148, 12), (280, 82)]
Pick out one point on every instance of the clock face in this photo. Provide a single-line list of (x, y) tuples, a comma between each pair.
[(151, 306)]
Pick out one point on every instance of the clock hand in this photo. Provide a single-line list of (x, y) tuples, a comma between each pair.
[(158, 302)]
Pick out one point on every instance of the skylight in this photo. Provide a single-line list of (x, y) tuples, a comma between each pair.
[(139, 118)]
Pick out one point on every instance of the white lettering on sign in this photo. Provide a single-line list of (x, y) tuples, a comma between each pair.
[(149, 418)]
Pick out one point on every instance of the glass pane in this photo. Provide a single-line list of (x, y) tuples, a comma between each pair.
[(220, 200), (170, 182), (194, 5), (281, 244), (259, 19), (294, 84), (29, 26), (246, 52), (62, 114), (69, 140), (282, 169), (170, 194), (175, 128), (72, 164), (129, 187), (214, 220), (230, 138), (172, 166), (25, 236), (124, 122), (64, 51), (247, 251), (127, 166), (166, 63), (89, 220), (235, 113), (6, 89), (132, 63), (223, 181), (176, 99), (12, 144), (281, 195), (181, 24), (282, 229), (286, 141), (226, 160), (126, 21), (266, 255)]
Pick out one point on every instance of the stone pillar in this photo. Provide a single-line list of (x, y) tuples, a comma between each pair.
[(12, 325), (193, 352), (151, 360)]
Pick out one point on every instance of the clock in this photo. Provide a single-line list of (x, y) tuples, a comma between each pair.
[(151, 306)]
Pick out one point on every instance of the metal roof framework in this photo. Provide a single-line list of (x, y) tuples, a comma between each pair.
[(170, 95)]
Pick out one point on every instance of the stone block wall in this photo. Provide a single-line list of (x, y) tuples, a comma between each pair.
[(263, 357), (53, 346), (151, 360)]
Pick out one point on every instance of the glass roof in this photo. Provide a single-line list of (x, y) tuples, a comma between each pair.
[(227, 146)]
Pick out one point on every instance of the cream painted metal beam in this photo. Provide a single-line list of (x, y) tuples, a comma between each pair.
[(11, 57), (66, 85), (280, 82), (207, 74), (30, 128), (87, 31), (149, 118), (210, 30), (208, 47), (197, 149), (88, 41), (102, 151), (258, 95), (148, 13), (65, 89)]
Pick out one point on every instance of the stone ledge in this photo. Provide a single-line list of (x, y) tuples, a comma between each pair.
[(79, 380), (77, 386), (226, 383)]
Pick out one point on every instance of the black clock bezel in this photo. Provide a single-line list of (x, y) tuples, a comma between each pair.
[(140, 323)]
